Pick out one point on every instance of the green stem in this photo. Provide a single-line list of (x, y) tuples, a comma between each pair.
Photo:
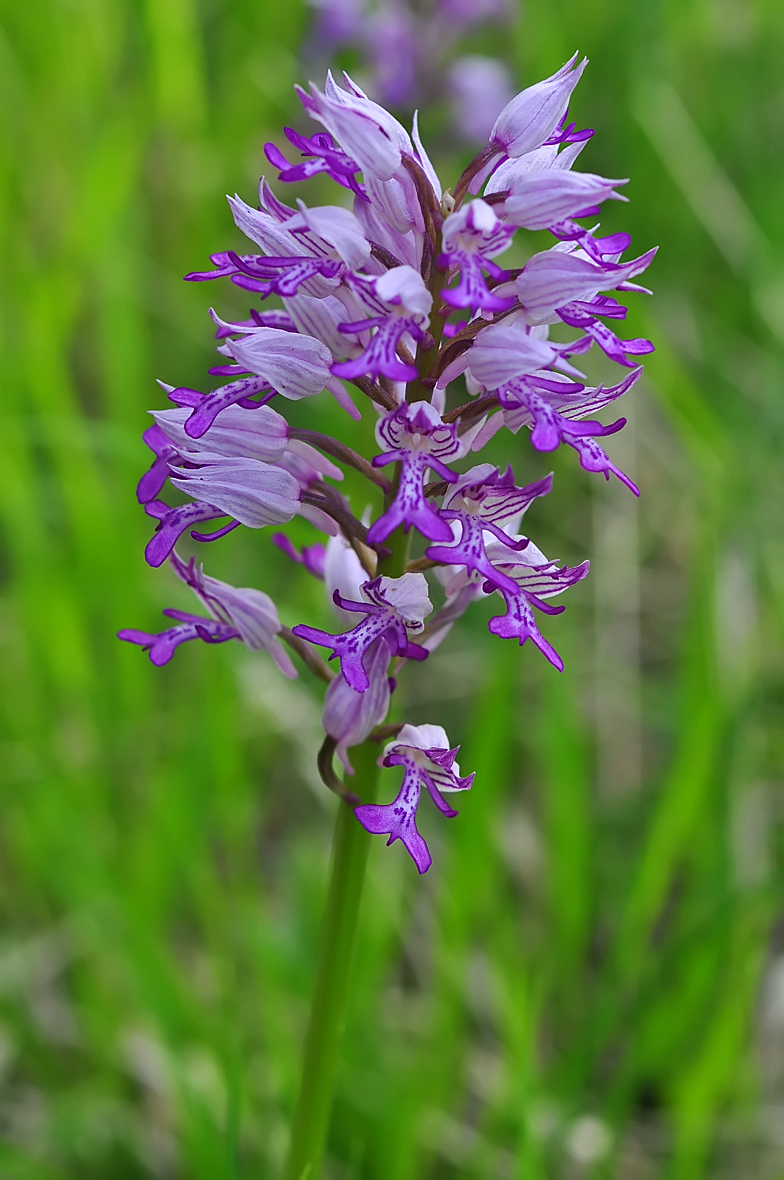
[(333, 973)]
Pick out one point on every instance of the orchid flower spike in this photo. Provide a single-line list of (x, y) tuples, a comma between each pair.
[(405, 310)]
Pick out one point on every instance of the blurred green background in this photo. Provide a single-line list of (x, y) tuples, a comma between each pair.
[(590, 980)]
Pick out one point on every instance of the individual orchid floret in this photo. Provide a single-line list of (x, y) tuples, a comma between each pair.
[(532, 401), (364, 130), (535, 115), (582, 315), (504, 351), (472, 237), (309, 249), (573, 400), (258, 433), (554, 278), (423, 752), (541, 198), (393, 607), (326, 241), (402, 305), (417, 437), (251, 611), (483, 501), (291, 258), (548, 427), (292, 365), (535, 580), (380, 145), (280, 362), (251, 493), (237, 613)]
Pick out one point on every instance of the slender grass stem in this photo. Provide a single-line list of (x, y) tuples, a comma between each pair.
[(333, 974)]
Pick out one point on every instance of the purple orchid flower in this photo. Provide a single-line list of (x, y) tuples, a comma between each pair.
[(578, 315), (506, 350), (246, 614), (557, 277), (402, 302), (252, 432), (423, 752), (571, 399), (162, 646), (291, 365), (543, 197), (472, 237), (370, 134), (250, 492), (536, 114), (535, 579), (393, 608), (483, 501), (417, 438)]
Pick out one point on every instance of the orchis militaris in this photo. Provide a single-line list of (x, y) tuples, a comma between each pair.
[(393, 307)]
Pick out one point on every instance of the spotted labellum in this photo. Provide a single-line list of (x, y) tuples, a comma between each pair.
[(402, 310)]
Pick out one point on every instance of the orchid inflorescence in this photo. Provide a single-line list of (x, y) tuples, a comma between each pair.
[(393, 301)]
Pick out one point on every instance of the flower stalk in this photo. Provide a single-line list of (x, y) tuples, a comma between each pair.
[(337, 945)]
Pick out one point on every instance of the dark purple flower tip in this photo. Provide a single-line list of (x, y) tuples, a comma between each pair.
[(223, 267), (567, 133), (420, 516), (236, 393), (228, 371), (390, 367), (365, 608), (416, 652), (183, 396), (153, 480), (157, 509), (276, 157), (174, 522), (227, 528), (161, 647)]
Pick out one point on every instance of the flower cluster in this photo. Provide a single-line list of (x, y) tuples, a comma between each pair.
[(396, 307)]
